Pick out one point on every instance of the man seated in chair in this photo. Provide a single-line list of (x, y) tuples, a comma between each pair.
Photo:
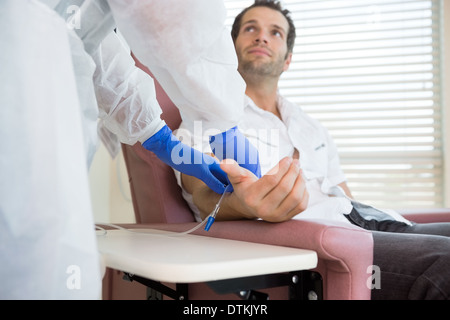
[(308, 182)]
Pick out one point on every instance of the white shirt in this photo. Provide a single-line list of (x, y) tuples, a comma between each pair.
[(276, 139)]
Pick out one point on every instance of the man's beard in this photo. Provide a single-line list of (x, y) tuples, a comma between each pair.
[(258, 68)]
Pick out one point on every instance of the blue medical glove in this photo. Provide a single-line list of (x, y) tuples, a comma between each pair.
[(232, 144), (186, 159)]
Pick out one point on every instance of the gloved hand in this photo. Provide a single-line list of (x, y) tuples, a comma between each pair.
[(186, 159), (232, 144)]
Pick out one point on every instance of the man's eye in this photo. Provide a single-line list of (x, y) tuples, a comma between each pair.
[(249, 29), (277, 33)]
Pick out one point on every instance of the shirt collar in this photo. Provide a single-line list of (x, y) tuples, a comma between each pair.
[(284, 106)]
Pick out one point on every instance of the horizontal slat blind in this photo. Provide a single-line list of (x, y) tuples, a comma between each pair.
[(370, 72)]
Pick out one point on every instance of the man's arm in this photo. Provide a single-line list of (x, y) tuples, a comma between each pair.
[(277, 196)]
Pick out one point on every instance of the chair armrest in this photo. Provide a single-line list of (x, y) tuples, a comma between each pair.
[(345, 252), (426, 215)]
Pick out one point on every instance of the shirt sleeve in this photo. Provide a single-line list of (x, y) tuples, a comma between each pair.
[(335, 173), (125, 94)]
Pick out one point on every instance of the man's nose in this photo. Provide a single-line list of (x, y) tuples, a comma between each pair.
[(261, 37)]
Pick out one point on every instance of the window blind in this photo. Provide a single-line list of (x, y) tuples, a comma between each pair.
[(369, 71)]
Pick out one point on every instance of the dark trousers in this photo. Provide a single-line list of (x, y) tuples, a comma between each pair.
[(413, 261)]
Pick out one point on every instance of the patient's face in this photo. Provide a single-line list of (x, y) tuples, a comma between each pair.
[(261, 44)]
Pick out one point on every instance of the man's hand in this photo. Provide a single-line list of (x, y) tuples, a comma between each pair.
[(277, 196)]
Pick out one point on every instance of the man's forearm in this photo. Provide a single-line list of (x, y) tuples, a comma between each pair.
[(277, 196), (205, 200)]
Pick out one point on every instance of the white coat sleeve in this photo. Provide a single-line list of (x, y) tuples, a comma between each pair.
[(125, 94), (187, 47)]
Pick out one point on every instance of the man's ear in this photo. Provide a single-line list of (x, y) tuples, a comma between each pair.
[(287, 62)]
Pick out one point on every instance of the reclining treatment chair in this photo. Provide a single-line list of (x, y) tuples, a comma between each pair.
[(344, 251)]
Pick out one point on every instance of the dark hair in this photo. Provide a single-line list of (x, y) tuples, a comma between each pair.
[(275, 5)]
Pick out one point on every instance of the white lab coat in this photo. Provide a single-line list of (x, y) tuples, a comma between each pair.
[(186, 45), (48, 120), (47, 241)]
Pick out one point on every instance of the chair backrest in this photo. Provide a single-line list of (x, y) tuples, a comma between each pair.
[(155, 193)]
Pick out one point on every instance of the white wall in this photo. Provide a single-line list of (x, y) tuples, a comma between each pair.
[(110, 191)]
